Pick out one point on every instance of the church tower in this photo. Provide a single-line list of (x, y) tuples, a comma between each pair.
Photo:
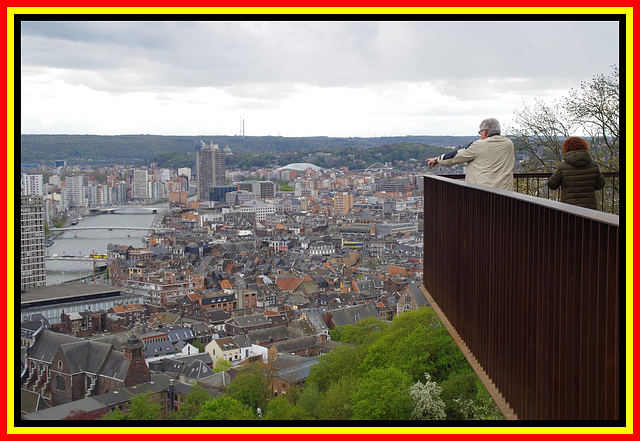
[(137, 370)]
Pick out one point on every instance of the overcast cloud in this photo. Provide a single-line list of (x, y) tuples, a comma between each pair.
[(315, 78)]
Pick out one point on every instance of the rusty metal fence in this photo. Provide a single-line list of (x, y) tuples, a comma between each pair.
[(532, 288)]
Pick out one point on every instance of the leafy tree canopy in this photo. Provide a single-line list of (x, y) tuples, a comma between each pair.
[(251, 386), (225, 408), (192, 403), (383, 394)]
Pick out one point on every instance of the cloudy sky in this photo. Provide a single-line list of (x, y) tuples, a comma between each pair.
[(300, 78)]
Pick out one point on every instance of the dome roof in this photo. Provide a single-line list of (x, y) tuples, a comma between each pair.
[(300, 166)]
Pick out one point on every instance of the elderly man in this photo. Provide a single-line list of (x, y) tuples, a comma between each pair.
[(490, 160)]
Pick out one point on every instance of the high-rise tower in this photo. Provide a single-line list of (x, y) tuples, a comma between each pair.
[(33, 273), (140, 184), (209, 169)]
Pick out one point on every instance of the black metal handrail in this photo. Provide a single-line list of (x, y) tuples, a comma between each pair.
[(535, 184), (531, 286)]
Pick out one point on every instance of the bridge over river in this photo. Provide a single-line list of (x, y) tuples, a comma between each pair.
[(111, 228), (55, 257), (120, 210)]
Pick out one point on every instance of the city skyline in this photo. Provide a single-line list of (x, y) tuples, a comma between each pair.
[(303, 78)]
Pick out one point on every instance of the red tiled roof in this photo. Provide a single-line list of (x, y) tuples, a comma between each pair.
[(288, 283)]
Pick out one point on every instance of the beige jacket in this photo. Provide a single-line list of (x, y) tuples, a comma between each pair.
[(490, 162)]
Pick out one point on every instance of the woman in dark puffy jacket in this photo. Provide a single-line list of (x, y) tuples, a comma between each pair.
[(578, 175)]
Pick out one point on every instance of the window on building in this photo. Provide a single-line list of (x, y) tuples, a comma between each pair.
[(60, 383)]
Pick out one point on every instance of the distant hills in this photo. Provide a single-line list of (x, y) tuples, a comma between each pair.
[(141, 149)]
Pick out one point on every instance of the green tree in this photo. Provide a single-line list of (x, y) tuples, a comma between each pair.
[(363, 332), (280, 408), (456, 390), (142, 407), (466, 398), (383, 394), (417, 342), (343, 361), (251, 386), (309, 397), (199, 346), (192, 403), (225, 408), (335, 404), (114, 415), (221, 365)]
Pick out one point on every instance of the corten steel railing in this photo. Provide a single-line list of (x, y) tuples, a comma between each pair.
[(531, 286), (535, 184)]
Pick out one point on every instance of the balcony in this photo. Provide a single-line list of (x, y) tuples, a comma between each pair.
[(530, 290)]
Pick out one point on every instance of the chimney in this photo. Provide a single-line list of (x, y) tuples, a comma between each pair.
[(171, 394)]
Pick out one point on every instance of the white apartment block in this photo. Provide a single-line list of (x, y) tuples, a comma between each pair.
[(140, 189), (32, 185), (321, 248), (261, 209), (74, 191), (185, 171), (163, 175)]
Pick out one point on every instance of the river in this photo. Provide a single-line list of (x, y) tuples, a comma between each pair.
[(84, 243)]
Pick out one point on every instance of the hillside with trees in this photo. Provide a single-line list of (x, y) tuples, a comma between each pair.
[(178, 151)]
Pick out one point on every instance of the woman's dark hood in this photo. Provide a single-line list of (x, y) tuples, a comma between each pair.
[(578, 158)]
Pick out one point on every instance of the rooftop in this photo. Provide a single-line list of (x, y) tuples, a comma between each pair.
[(67, 292)]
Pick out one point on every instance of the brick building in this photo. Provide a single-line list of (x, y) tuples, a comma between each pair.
[(65, 369)]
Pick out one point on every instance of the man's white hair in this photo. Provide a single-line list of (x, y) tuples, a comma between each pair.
[(491, 125)]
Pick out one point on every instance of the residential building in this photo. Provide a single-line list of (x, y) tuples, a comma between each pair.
[(33, 273), (210, 167), (342, 203), (261, 209), (66, 369), (131, 314), (159, 291), (31, 185), (140, 188), (225, 348), (73, 191)]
